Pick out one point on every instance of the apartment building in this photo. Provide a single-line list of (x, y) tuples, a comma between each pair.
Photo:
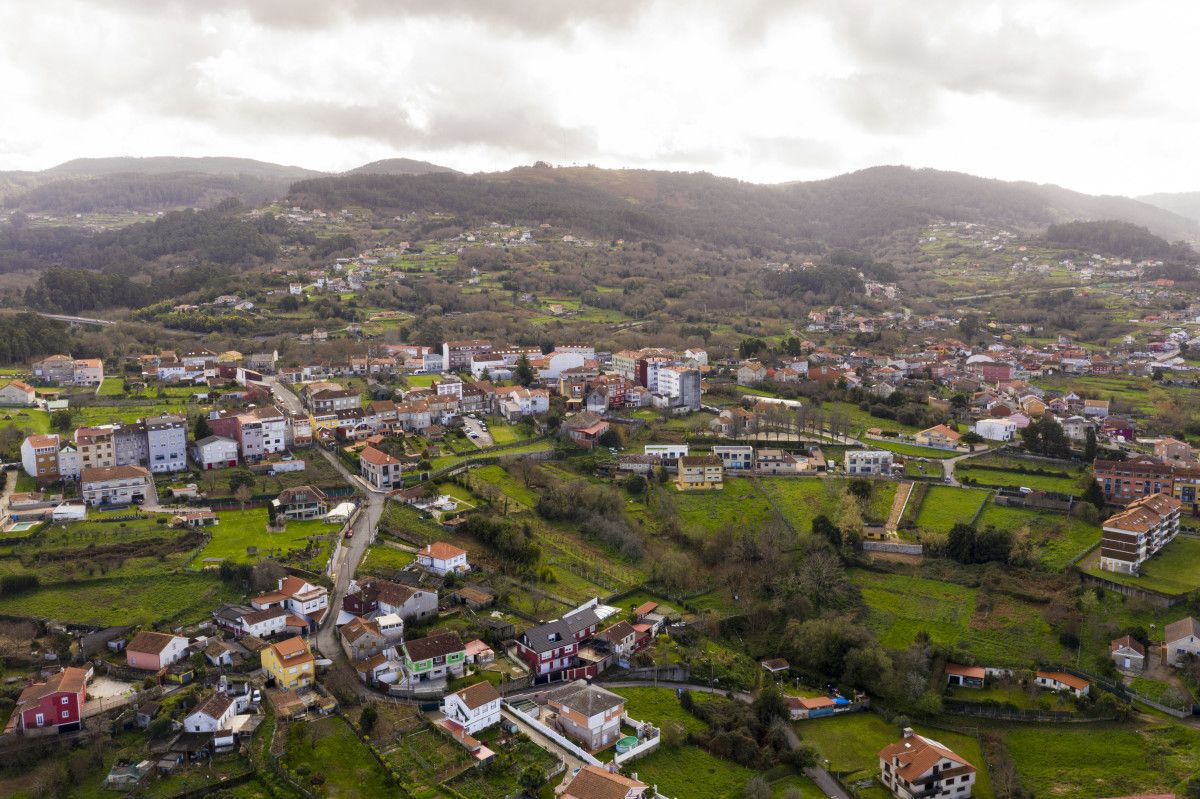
[(166, 443), (39, 457), (96, 448), (868, 461), (1138, 533)]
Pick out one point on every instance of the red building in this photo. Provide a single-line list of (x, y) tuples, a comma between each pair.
[(552, 649), (995, 372), (56, 704)]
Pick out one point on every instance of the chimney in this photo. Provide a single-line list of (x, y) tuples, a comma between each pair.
[(908, 732)]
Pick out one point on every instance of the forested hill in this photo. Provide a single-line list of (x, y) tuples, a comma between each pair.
[(1185, 203), (399, 166), (146, 192), (1112, 237), (844, 210), (161, 165)]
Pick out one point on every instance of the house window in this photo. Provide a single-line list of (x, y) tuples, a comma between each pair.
[(39, 719), (64, 700), (66, 713)]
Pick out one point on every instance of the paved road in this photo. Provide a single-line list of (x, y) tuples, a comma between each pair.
[(820, 776), (948, 465)]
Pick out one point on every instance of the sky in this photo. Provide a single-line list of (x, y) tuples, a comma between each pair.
[(1095, 95)]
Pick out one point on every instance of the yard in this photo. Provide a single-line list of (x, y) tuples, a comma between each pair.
[(328, 749), (508, 485), (801, 499), (912, 450), (658, 706), (1004, 631), (851, 744), (1080, 762), (241, 536), (691, 772), (945, 506), (382, 560), (426, 758), (976, 474), (518, 753), (1175, 570), (1057, 538)]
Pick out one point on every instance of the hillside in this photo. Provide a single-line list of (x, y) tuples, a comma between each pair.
[(159, 165), (1112, 237), (844, 210), (1185, 203), (399, 166), (144, 192)]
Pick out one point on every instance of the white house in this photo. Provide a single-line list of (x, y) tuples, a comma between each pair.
[(868, 461), (474, 708), (213, 714), (668, 453), (442, 558), (215, 452), (735, 458), (1182, 638), (1061, 681), (995, 429)]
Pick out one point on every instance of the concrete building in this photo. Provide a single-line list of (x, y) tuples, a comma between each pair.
[(868, 461), (166, 443), (1138, 533), (117, 485)]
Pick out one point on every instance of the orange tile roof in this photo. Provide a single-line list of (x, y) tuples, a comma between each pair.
[(440, 550)]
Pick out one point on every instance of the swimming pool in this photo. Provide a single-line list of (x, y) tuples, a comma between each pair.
[(21, 527)]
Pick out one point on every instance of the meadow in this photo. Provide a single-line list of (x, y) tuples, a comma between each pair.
[(1057, 538), (241, 536), (945, 506), (1080, 762), (330, 748), (1175, 570), (1003, 630)]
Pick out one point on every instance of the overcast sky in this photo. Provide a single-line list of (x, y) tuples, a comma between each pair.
[(1096, 95)]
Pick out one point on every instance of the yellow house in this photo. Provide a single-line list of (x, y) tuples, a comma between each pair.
[(938, 436), (290, 663), (324, 421), (698, 472)]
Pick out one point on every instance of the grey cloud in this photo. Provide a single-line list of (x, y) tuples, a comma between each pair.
[(533, 17)]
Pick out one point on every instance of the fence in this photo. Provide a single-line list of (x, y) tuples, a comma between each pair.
[(894, 547), (1004, 712), (558, 738)]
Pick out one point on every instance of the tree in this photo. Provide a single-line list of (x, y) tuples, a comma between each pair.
[(240, 478), (368, 718), (770, 705), (202, 428), (243, 495), (1094, 494), (635, 484), (523, 372), (532, 779), (61, 421), (1046, 437), (824, 528), (756, 788), (960, 543), (1090, 446), (610, 438), (674, 735)]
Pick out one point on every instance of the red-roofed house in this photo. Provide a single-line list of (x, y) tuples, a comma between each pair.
[(810, 707), (442, 558), (1061, 681), (379, 468), (56, 704), (916, 767), (964, 676)]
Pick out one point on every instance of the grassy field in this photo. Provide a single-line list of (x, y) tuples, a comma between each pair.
[(998, 477), (691, 772), (1073, 762), (443, 461), (945, 506), (382, 559), (330, 748), (118, 601), (1056, 538), (851, 744), (914, 450), (35, 421), (1006, 631), (241, 531), (506, 483), (735, 504), (658, 706), (1175, 570)]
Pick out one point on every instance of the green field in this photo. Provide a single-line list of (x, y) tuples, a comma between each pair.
[(1009, 632), (801, 499), (691, 772), (118, 601), (658, 706), (330, 748), (945, 506), (1057, 538), (383, 559), (1174, 570), (506, 483), (913, 450), (1000, 477), (35, 421), (736, 504), (851, 743), (1074, 762), (240, 531)]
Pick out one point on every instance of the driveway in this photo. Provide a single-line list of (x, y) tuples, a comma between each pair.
[(482, 439)]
